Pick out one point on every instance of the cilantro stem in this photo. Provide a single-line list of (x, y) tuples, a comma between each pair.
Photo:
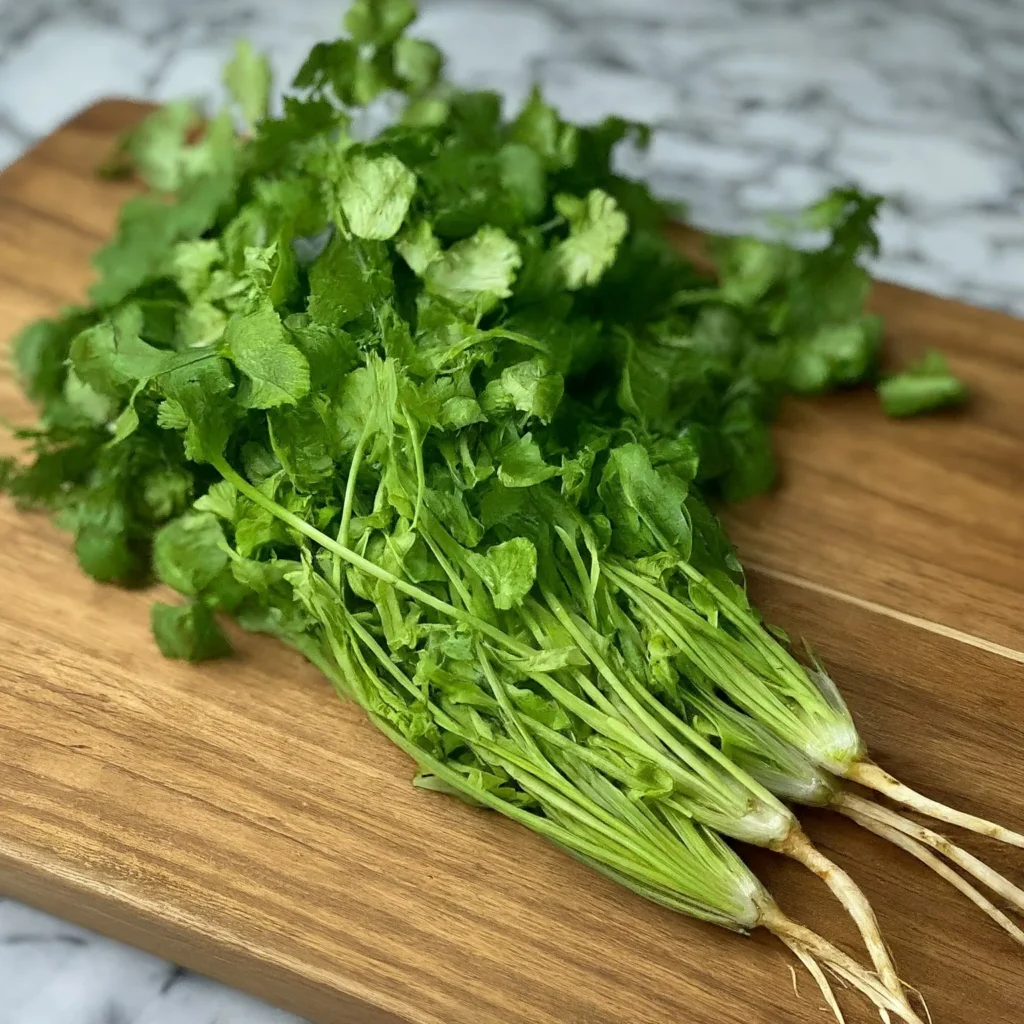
[(350, 493), (361, 563)]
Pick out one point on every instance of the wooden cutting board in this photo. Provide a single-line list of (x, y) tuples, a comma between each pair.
[(239, 819)]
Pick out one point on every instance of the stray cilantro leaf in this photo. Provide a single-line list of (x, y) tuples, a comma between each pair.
[(924, 386), (417, 63), (539, 127), (521, 464), (189, 553), (476, 273), (188, 631), (157, 147), (347, 280), (378, 22), (508, 569)]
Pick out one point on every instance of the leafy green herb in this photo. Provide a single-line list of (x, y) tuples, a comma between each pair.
[(248, 80), (188, 631), (924, 386), (441, 410)]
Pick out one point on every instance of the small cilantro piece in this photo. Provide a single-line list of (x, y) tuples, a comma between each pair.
[(521, 464), (378, 22), (923, 386), (189, 632), (835, 354), (349, 278), (539, 127), (374, 194), (531, 387), (647, 507), (419, 247), (476, 273), (189, 553), (596, 227), (248, 78), (276, 372), (417, 63), (509, 570), (157, 146)]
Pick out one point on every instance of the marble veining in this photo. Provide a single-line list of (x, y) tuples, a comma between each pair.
[(759, 106)]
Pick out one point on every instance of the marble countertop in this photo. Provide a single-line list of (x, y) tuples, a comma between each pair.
[(759, 106)]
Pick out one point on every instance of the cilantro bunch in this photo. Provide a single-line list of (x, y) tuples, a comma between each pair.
[(444, 410)]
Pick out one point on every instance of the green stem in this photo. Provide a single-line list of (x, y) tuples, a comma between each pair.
[(350, 494), (364, 564), (689, 755)]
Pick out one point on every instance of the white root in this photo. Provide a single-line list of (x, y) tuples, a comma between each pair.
[(815, 971), (801, 849), (843, 967), (873, 777), (907, 836)]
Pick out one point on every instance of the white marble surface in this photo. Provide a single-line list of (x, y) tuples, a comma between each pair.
[(759, 104)]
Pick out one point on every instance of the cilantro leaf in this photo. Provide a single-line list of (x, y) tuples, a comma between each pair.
[(476, 273), (348, 279), (539, 127), (157, 146), (509, 570), (188, 631), (374, 194), (417, 63), (531, 387), (647, 506), (247, 77), (419, 247), (596, 227), (378, 22), (924, 386), (189, 553), (521, 464), (276, 372)]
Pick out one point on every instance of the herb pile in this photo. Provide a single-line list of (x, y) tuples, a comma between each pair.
[(444, 410)]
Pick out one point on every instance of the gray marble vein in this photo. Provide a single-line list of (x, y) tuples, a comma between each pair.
[(759, 106)]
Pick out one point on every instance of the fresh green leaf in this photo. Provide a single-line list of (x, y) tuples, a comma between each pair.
[(476, 273), (417, 63), (379, 22), (508, 569), (276, 372), (189, 553), (539, 127), (188, 631), (157, 146), (247, 77), (348, 279), (220, 499), (924, 386), (521, 464), (374, 194), (647, 506), (596, 227)]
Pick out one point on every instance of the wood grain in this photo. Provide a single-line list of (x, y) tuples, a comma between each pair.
[(240, 820)]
